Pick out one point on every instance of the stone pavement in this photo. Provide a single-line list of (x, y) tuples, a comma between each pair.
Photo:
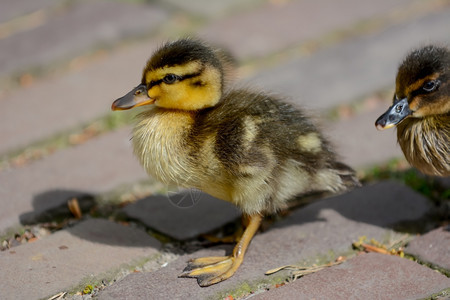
[(62, 64)]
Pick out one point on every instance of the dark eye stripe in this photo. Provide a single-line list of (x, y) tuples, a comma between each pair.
[(180, 78), (422, 91), (192, 75), (153, 83)]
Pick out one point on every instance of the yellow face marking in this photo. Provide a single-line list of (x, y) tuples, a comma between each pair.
[(310, 142), (204, 90), (189, 68)]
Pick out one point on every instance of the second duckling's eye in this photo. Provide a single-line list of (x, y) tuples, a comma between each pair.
[(170, 78), (430, 85)]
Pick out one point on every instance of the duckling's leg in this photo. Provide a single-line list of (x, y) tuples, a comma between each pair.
[(232, 238), (210, 270)]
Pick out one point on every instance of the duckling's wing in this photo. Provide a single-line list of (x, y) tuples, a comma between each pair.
[(256, 132)]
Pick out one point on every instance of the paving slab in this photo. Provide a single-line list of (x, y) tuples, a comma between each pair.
[(444, 181), (64, 259), (359, 143), (80, 26), (212, 9), (325, 228), (59, 103), (367, 276), (433, 248), (280, 24), (183, 215), (16, 8), (353, 68), (97, 166)]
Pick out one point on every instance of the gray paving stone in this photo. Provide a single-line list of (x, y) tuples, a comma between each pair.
[(183, 215), (58, 103), (444, 181), (211, 9), (16, 8), (367, 276), (80, 27), (94, 167), (354, 68), (62, 260), (324, 227), (359, 143), (276, 25), (433, 247)]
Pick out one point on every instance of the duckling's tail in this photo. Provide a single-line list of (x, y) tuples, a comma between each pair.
[(347, 175)]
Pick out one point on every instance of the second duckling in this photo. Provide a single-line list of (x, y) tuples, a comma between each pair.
[(421, 109)]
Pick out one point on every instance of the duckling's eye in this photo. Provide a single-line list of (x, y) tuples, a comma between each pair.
[(430, 85), (170, 78)]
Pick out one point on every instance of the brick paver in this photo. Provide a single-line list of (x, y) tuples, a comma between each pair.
[(352, 69), (62, 260), (368, 276), (78, 27), (212, 9), (277, 25), (12, 9), (433, 248)]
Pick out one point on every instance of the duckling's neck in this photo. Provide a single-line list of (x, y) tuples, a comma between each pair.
[(426, 143), (159, 140)]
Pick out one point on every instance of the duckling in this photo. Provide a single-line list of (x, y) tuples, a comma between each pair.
[(421, 109), (241, 146)]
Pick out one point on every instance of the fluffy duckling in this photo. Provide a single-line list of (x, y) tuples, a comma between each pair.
[(421, 109), (245, 147)]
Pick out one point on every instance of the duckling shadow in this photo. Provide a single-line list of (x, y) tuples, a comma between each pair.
[(51, 207), (183, 215), (167, 216), (386, 204)]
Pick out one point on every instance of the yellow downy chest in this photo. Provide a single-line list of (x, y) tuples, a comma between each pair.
[(159, 142)]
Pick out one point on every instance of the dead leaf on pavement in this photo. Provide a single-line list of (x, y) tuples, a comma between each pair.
[(299, 271), (395, 248), (74, 208), (58, 296)]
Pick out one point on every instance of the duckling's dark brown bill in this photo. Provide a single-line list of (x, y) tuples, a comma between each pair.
[(394, 115), (136, 97)]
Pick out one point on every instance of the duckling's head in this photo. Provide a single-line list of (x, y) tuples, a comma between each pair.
[(185, 74), (422, 87)]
